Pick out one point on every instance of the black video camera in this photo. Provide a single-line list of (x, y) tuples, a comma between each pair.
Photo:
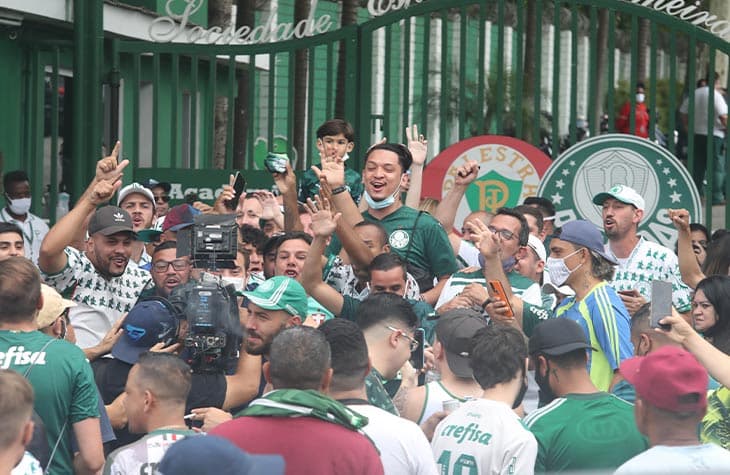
[(211, 242)]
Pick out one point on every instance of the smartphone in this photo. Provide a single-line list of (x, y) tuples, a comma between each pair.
[(500, 294), (276, 162), (239, 186), (661, 303), (417, 354)]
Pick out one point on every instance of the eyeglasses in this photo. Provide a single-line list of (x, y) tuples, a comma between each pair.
[(163, 198), (178, 264), (503, 233), (413, 342)]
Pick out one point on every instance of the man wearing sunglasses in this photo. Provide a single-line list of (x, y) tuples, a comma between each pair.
[(168, 271), (467, 288)]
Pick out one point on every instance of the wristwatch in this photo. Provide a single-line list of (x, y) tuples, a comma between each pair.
[(340, 189)]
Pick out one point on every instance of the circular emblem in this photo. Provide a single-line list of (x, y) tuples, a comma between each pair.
[(399, 239), (510, 170), (599, 163)]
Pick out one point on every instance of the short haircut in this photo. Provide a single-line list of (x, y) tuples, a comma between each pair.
[(163, 246), (334, 127), (349, 352), (385, 308), (571, 360), (299, 358), (387, 261), (694, 227), (271, 244), (543, 204), (20, 290), (382, 232), (16, 405), (15, 176), (524, 228), (247, 234), (534, 212), (295, 235), (166, 375), (10, 228), (498, 354), (640, 319), (404, 155)]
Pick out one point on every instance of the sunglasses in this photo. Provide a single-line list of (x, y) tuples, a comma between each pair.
[(163, 198)]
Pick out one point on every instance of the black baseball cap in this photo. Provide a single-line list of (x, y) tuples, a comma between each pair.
[(557, 336), (152, 183), (109, 220), (455, 330)]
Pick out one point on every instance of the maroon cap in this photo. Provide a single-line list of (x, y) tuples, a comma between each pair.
[(179, 217), (669, 378)]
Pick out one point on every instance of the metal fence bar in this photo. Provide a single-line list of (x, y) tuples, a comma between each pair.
[(573, 73), (634, 72), (710, 164), (611, 69), (593, 99), (194, 90), (208, 158), (461, 125), (133, 91), (54, 188), (387, 125), (155, 108), (517, 79), (271, 102), (537, 93), (175, 159), (405, 94), (556, 80), (691, 61), (672, 93), (445, 83), (653, 82), (500, 68), (425, 73)]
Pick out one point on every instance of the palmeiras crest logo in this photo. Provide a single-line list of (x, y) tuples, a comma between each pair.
[(597, 164)]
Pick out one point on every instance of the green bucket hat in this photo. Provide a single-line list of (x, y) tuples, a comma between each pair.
[(280, 293)]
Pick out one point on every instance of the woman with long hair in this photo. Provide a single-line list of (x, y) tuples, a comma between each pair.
[(711, 310)]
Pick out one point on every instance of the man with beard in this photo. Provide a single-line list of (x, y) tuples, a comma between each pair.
[(639, 261), (485, 434), (98, 280), (582, 429), (168, 271)]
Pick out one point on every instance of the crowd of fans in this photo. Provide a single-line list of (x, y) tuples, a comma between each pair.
[(359, 333)]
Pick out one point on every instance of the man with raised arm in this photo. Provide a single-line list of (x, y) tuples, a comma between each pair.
[(99, 280)]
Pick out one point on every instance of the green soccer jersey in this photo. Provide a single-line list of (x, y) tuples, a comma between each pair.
[(585, 432), (377, 395), (63, 383), (417, 237)]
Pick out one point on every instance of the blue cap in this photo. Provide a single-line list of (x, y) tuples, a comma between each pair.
[(149, 322), (211, 455), (585, 234)]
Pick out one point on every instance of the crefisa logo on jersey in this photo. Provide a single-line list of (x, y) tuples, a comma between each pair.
[(597, 164), (510, 171)]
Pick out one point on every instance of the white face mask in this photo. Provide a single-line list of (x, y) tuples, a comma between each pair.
[(236, 282), (558, 270), (18, 206), (640, 97)]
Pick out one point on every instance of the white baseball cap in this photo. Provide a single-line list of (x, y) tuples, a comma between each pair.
[(623, 194), (534, 243), (135, 188)]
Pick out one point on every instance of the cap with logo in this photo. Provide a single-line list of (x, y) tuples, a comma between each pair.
[(152, 183), (586, 234), (53, 306), (149, 322), (557, 336), (179, 217), (109, 220), (534, 243), (669, 378), (280, 293), (205, 454), (135, 188), (455, 329), (622, 193)]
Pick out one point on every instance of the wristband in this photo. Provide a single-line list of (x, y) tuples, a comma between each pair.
[(340, 189), (486, 302)]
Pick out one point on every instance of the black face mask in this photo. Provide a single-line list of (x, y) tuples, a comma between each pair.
[(546, 393), (521, 394)]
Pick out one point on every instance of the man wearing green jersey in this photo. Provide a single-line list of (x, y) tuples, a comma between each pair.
[(582, 428)]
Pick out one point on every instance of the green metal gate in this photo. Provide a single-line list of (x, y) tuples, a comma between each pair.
[(457, 68)]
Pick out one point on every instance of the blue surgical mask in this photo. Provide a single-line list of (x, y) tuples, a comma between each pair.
[(382, 203)]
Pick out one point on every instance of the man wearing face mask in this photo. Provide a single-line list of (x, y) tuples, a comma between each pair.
[(578, 260), (582, 429), (485, 434), (641, 115), (17, 212)]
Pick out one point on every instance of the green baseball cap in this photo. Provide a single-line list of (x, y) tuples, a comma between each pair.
[(280, 293)]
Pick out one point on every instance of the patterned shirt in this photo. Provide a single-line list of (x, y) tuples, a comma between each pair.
[(377, 395), (144, 455), (651, 261), (100, 301), (342, 278)]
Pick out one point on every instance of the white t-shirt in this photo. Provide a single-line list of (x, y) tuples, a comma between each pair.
[(700, 115), (402, 444), (99, 302), (484, 437), (662, 459), (34, 230)]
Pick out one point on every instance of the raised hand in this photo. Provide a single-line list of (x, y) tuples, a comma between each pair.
[(286, 181), (417, 144), (487, 241), (103, 191), (227, 194), (323, 222), (680, 219), (466, 173), (109, 168), (332, 168), (268, 203)]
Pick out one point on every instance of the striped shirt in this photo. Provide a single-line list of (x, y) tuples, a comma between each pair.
[(607, 324)]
